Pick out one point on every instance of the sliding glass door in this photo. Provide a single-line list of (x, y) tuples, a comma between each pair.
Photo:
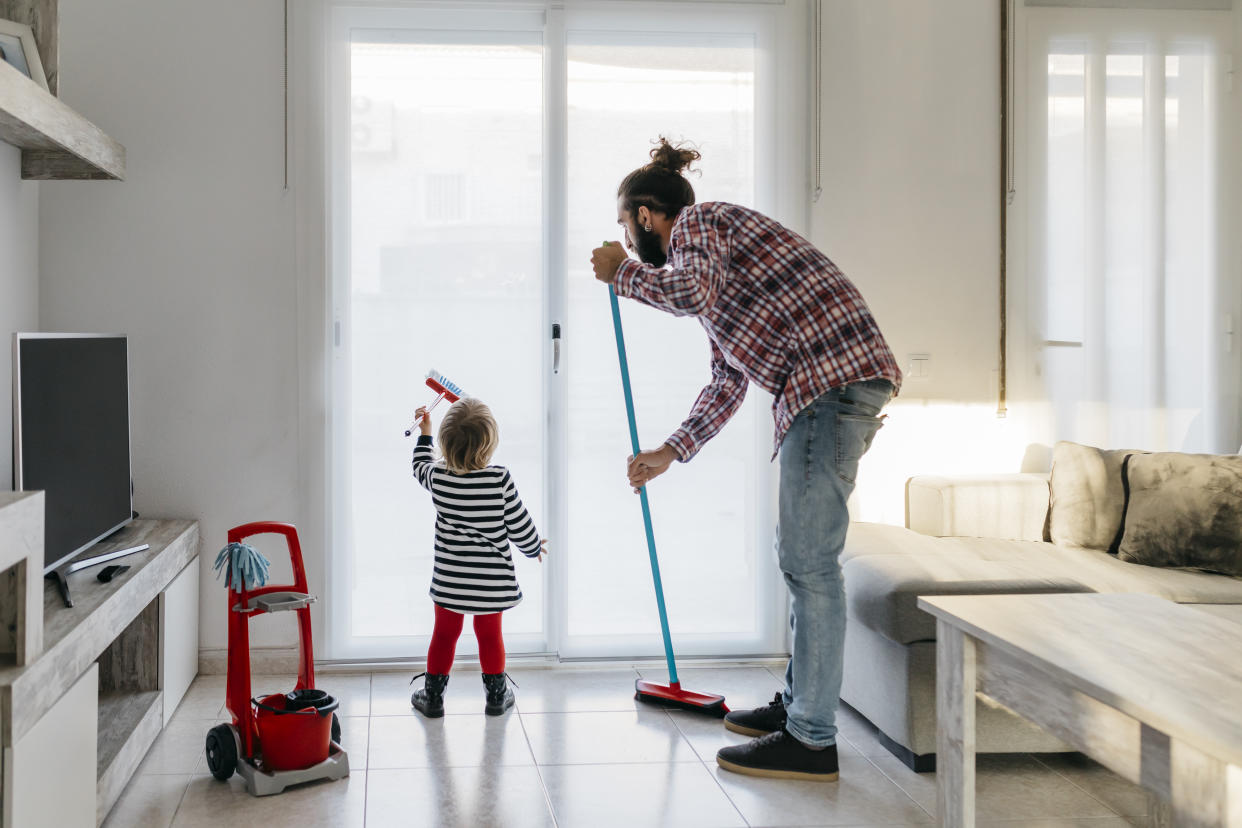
[(625, 89), (476, 157), (439, 190)]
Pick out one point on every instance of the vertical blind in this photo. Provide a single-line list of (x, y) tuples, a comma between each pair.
[(1126, 222)]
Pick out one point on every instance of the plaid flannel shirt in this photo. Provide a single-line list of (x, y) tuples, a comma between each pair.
[(777, 311)]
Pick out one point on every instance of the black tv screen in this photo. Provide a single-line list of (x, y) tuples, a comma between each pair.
[(71, 436)]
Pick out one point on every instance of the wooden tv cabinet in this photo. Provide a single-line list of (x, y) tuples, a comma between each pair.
[(78, 715)]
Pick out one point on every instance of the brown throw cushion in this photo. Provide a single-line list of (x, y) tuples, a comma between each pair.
[(1086, 495), (1184, 510)]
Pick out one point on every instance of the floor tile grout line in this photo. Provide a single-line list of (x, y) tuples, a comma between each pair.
[(523, 712), (645, 709), (716, 780), (1019, 822), (1113, 810), (366, 779), (746, 822), (181, 800), (862, 746), (543, 785), (1111, 815), (578, 764), (870, 761), (894, 782), (184, 790)]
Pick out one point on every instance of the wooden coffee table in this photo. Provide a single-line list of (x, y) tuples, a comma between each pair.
[(1148, 688)]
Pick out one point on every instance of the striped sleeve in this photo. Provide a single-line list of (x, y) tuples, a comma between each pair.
[(518, 521), (424, 461)]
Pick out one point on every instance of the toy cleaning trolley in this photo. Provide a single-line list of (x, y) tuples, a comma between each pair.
[(282, 739)]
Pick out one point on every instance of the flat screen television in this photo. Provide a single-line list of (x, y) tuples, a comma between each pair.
[(71, 438)]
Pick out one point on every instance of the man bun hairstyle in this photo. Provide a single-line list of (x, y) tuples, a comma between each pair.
[(660, 186), (468, 436)]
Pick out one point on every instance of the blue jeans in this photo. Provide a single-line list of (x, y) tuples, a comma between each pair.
[(819, 463)]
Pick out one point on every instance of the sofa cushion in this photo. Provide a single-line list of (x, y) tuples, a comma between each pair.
[(986, 506), (887, 567), (1184, 510), (1103, 572), (864, 539), (1086, 495), (1231, 612), (882, 590)]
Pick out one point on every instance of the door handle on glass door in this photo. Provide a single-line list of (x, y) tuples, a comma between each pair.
[(556, 347)]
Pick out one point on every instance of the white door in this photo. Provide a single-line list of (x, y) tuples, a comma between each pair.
[(476, 158), (627, 85)]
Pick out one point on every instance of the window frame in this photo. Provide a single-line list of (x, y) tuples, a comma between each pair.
[(782, 132)]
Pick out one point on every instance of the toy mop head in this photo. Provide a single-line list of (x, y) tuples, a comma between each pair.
[(243, 566)]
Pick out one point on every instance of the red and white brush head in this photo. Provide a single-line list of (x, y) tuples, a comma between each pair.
[(445, 389), (443, 385)]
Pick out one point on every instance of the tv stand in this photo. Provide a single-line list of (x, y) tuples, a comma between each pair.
[(61, 573), (86, 690)]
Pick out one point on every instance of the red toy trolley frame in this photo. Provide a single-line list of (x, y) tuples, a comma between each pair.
[(243, 734)]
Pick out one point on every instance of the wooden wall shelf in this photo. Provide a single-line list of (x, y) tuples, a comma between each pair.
[(57, 143)]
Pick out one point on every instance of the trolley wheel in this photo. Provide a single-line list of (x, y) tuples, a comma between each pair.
[(336, 729), (221, 752)]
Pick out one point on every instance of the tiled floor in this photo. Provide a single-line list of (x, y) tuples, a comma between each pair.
[(579, 751)]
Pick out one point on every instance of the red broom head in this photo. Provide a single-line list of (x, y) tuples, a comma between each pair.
[(671, 695)]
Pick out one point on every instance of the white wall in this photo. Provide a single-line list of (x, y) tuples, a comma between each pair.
[(192, 257), (910, 211), (1232, 378), (19, 284)]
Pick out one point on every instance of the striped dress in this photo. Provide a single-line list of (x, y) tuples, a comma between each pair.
[(477, 515)]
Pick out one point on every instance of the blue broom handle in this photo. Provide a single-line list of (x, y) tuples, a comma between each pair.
[(642, 493)]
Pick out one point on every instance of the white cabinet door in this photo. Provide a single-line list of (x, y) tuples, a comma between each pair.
[(178, 637), (50, 772)]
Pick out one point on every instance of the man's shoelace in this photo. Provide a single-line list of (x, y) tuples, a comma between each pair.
[(770, 738), (777, 701)]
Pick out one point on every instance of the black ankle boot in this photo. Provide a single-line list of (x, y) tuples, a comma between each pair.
[(499, 695), (430, 700)]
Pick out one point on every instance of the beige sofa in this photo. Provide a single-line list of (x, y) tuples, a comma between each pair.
[(971, 535)]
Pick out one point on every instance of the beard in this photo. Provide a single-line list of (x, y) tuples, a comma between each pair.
[(647, 245)]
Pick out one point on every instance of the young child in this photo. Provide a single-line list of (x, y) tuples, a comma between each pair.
[(478, 514)]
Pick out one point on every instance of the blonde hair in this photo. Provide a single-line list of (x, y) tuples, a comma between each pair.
[(468, 436)]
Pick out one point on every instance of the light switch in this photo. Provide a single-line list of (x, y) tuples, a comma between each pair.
[(918, 365)]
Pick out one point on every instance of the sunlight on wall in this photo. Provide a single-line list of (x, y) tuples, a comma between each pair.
[(938, 437), (952, 438)]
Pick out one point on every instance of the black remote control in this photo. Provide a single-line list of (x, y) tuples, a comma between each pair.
[(109, 572)]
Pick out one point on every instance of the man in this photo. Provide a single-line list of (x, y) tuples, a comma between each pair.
[(780, 314)]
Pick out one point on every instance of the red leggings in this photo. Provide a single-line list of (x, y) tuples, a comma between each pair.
[(444, 641)]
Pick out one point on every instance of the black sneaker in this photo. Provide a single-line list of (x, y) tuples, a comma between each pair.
[(780, 756), (430, 700), (759, 721)]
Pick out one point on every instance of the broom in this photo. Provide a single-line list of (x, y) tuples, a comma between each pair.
[(671, 694)]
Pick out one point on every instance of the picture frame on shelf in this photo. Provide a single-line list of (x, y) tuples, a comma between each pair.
[(18, 49)]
